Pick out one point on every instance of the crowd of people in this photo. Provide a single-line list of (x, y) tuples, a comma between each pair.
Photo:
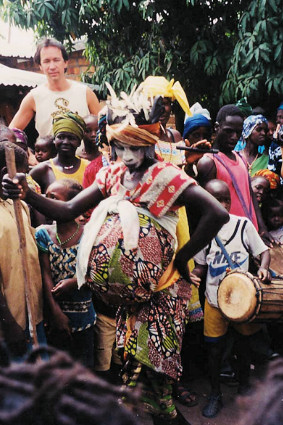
[(129, 230)]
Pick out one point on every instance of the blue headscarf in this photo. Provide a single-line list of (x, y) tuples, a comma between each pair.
[(250, 124), (191, 123), (280, 106)]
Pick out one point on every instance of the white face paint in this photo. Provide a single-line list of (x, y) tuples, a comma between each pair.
[(132, 156)]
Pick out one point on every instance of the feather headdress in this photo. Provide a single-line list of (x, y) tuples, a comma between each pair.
[(133, 111)]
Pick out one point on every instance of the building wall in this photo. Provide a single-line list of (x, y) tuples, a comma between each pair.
[(77, 65)]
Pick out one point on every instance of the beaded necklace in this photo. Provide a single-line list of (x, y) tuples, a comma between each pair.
[(71, 237)]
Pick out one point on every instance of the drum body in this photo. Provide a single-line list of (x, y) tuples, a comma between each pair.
[(243, 297)]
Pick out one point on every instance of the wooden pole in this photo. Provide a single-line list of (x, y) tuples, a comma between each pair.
[(11, 166)]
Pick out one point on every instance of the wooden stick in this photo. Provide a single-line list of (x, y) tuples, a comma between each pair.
[(11, 166)]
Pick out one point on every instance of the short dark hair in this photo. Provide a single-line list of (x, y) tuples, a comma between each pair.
[(49, 42), (6, 131), (228, 111), (73, 187), (21, 158)]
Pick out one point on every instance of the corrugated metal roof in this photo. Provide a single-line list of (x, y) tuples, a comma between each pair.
[(16, 42), (17, 77)]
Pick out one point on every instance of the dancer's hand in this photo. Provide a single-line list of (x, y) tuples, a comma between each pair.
[(15, 188), (181, 264)]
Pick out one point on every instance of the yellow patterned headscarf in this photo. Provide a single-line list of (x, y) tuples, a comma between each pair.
[(69, 122), (133, 136), (159, 86)]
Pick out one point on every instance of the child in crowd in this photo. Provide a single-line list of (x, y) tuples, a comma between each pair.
[(44, 148), (273, 214), (91, 150), (70, 313), (239, 237), (260, 187), (13, 305)]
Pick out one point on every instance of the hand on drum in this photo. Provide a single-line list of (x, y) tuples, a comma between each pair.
[(264, 275)]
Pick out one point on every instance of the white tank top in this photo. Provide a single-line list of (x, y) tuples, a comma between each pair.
[(50, 103)]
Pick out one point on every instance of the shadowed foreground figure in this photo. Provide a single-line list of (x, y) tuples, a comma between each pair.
[(265, 405), (59, 392)]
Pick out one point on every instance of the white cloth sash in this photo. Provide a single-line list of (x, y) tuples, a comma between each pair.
[(129, 218)]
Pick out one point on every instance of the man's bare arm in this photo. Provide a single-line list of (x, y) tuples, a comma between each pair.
[(24, 114)]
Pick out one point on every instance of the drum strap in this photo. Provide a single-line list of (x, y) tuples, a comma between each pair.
[(247, 209), (231, 263)]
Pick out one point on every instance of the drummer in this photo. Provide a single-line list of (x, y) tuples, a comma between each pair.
[(239, 238)]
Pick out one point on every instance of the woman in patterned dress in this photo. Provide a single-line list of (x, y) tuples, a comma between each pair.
[(127, 253)]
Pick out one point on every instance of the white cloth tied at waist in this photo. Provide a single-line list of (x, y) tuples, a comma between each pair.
[(129, 218)]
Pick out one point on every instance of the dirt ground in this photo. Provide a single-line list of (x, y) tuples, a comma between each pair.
[(229, 415)]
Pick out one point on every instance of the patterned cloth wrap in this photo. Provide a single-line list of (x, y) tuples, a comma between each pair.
[(150, 324)]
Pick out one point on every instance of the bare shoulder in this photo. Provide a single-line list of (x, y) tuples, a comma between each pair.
[(40, 169), (206, 169)]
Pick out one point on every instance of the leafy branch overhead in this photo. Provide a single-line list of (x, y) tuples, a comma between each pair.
[(218, 50)]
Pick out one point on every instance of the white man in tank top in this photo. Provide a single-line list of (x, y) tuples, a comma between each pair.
[(57, 95)]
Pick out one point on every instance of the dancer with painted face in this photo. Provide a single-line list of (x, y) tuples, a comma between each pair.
[(129, 243)]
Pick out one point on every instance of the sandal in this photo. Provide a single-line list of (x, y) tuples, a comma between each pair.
[(184, 396)]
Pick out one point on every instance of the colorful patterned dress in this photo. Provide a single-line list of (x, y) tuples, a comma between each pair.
[(78, 305), (150, 323)]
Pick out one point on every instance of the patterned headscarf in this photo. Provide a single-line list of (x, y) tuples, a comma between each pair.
[(274, 179), (250, 124), (194, 122), (21, 138), (159, 86), (69, 122), (143, 135)]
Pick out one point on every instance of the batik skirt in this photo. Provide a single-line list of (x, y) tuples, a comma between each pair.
[(150, 324)]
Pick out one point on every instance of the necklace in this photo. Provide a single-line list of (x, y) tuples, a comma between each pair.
[(71, 237), (250, 164), (68, 167)]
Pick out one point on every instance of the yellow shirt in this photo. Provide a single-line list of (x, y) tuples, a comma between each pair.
[(11, 273), (78, 175)]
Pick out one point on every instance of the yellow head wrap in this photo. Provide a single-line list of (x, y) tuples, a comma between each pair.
[(69, 122), (133, 136), (159, 86)]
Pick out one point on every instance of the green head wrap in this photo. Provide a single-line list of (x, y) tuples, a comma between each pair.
[(69, 122), (244, 107)]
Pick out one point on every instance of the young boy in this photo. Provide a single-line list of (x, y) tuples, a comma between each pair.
[(239, 237), (13, 306)]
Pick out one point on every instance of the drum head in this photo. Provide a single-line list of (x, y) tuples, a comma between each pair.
[(237, 296)]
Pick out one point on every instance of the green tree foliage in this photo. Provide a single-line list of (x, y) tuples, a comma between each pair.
[(212, 47), (257, 60)]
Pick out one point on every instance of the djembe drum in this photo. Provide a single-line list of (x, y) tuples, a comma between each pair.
[(243, 297)]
